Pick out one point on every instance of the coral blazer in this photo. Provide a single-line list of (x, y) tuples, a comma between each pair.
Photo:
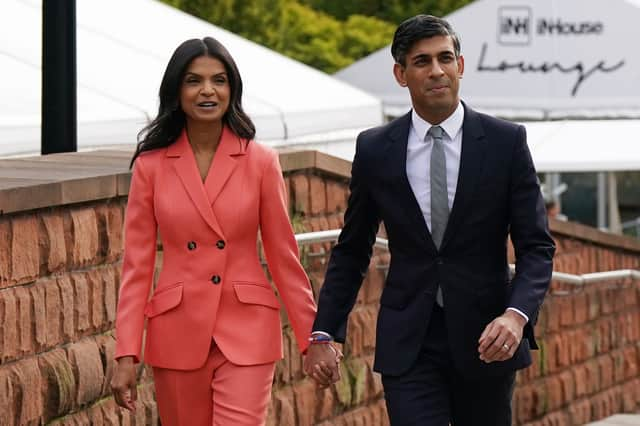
[(212, 284)]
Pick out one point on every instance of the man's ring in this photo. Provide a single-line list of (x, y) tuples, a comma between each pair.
[(506, 347)]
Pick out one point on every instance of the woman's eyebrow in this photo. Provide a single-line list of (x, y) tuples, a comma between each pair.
[(188, 73)]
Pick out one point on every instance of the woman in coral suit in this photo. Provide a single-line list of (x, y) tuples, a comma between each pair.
[(213, 331)]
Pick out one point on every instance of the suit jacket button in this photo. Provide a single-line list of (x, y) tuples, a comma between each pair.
[(191, 245), (439, 260), (220, 244), (216, 279)]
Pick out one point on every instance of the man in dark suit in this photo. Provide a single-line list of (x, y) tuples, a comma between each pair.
[(450, 185)]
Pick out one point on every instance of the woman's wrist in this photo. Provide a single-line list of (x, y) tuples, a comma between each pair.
[(127, 359)]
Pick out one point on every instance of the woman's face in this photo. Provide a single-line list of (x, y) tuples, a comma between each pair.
[(205, 90)]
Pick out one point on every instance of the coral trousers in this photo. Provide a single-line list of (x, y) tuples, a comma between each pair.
[(219, 394)]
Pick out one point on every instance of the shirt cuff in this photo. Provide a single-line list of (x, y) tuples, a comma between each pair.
[(322, 333), (519, 312)]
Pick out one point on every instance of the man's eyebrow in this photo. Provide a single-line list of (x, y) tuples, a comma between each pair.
[(428, 55), (421, 55)]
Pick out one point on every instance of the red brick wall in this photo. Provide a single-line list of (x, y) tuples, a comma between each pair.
[(587, 368), (59, 272)]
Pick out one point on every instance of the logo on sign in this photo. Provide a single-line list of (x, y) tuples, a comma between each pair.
[(514, 25)]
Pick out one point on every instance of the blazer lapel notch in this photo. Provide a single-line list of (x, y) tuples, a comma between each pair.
[(230, 150), (187, 170)]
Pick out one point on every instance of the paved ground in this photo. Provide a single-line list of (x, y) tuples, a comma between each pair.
[(619, 420)]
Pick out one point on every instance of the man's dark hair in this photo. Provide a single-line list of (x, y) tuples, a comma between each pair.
[(417, 28)]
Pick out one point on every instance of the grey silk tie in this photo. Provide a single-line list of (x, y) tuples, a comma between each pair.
[(439, 195)]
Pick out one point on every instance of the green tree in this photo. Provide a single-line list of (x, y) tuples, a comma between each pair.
[(326, 34), (393, 11), (256, 20), (363, 35), (311, 37)]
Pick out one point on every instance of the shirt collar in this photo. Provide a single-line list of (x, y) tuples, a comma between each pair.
[(451, 125)]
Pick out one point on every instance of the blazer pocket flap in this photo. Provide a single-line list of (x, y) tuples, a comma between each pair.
[(256, 295), (163, 301), (393, 298)]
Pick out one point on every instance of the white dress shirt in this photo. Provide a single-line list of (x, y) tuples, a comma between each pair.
[(419, 157)]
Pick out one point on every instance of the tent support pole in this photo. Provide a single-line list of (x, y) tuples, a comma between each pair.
[(555, 183), (615, 224), (602, 200)]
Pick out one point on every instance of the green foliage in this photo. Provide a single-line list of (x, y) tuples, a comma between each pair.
[(310, 37), (364, 34), (326, 34), (256, 20), (393, 11)]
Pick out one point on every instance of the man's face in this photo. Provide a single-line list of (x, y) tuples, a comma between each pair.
[(432, 74)]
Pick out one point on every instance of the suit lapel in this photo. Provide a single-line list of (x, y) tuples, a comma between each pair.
[(187, 170), (396, 156), (471, 161), (224, 163)]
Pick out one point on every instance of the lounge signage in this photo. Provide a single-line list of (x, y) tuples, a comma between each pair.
[(516, 27), (576, 56)]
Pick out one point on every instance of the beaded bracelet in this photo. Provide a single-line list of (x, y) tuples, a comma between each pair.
[(320, 338)]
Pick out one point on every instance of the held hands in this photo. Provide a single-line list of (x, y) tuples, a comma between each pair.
[(123, 383), (322, 363), (501, 338)]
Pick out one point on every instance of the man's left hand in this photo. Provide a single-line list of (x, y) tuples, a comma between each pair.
[(501, 337)]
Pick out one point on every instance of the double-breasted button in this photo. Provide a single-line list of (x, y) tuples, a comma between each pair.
[(191, 245), (220, 244), (216, 279)]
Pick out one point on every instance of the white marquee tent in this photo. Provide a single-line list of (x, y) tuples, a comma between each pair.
[(568, 69), (123, 47), (585, 145), (535, 60)]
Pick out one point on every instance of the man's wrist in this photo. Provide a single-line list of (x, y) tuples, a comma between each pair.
[(520, 318)]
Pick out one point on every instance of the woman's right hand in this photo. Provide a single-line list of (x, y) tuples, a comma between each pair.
[(123, 383)]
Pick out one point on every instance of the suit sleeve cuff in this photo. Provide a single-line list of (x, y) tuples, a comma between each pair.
[(519, 312)]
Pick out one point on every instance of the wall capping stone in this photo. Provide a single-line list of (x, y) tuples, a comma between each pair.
[(294, 160), (60, 179), (587, 233)]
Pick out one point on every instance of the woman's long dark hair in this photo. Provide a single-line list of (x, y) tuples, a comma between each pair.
[(166, 127)]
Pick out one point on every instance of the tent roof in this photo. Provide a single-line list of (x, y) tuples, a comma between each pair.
[(584, 146), (123, 47), (556, 146), (524, 60)]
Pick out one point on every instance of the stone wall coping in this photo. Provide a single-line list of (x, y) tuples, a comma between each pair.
[(588, 233), (30, 183)]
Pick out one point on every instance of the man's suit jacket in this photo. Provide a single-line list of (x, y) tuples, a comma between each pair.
[(212, 283), (497, 194)]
